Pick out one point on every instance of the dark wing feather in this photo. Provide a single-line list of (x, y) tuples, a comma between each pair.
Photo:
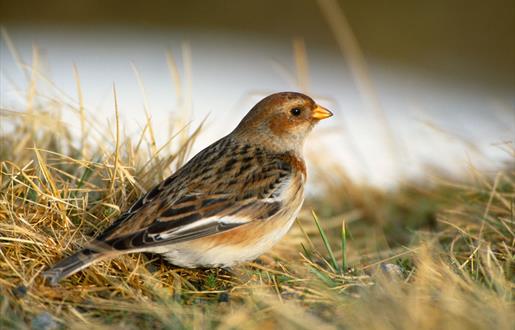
[(224, 186)]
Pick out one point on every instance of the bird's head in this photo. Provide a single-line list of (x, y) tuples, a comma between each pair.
[(281, 121)]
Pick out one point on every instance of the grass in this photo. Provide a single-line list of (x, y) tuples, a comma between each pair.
[(427, 255)]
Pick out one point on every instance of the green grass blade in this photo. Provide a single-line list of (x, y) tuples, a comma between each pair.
[(326, 242), (344, 247), (306, 252), (85, 176), (323, 277)]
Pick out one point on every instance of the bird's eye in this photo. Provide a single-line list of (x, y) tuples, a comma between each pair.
[(295, 111)]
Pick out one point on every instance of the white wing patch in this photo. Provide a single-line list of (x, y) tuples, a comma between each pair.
[(199, 225)]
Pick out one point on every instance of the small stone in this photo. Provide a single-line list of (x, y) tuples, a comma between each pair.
[(43, 321), (289, 295), (177, 297), (20, 291), (392, 270), (152, 268), (223, 297)]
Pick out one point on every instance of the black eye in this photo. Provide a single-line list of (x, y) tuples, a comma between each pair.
[(295, 111)]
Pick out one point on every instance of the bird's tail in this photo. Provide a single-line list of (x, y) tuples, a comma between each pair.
[(71, 265)]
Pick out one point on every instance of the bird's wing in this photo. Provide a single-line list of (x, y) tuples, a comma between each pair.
[(223, 187)]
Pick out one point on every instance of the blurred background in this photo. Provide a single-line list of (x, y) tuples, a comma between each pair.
[(415, 86)]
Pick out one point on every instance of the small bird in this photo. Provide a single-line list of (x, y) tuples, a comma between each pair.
[(228, 204)]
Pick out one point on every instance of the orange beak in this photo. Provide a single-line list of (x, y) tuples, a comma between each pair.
[(321, 113)]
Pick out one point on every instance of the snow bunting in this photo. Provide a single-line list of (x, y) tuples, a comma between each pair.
[(228, 204)]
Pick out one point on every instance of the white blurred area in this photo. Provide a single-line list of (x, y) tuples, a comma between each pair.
[(451, 123)]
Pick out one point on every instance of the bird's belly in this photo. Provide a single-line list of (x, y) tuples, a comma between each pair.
[(227, 252)]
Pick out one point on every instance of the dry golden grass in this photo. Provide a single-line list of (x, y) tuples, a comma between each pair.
[(423, 256), (455, 267)]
